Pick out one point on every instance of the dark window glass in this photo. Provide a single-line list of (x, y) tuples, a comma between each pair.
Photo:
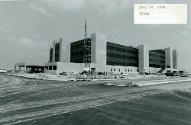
[(51, 55), (54, 67), (81, 51), (57, 52), (121, 55), (50, 67), (157, 58)]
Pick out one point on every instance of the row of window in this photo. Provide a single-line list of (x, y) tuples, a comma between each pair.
[(80, 53), (157, 51), (51, 67), (122, 64), (81, 43), (123, 56), (126, 70), (120, 48), (124, 61), (114, 50), (156, 61), (110, 50), (156, 65), (156, 57)]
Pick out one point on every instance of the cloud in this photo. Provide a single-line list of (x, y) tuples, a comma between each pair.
[(102, 6), (114, 6), (40, 9), (188, 27), (66, 4), (32, 42), (108, 6), (10, 0), (26, 41), (3, 30)]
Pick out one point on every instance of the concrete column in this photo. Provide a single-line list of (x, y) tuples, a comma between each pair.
[(61, 53), (168, 58), (65, 52), (100, 52), (53, 56), (93, 48), (175, 59), (25, 66), (143, 58)]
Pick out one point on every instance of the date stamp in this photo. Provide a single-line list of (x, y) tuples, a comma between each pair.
[(160, 14)]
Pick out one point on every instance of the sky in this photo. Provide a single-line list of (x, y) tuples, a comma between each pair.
[(28, 27)]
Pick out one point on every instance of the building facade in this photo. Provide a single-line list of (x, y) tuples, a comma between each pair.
[(157, 58), (78, 53), (108, 57), (120, 55)]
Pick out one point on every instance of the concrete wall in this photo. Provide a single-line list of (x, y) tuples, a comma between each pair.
[(61, 51), (75, 68), (64, 67), (65, 52), (120, 69), (153, 70), (93, 47), (79, 67), (175, 59), (20, 66), (168, 57), (143, 58), (100, 54)]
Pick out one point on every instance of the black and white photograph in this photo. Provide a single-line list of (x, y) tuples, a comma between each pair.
[(95, 62)]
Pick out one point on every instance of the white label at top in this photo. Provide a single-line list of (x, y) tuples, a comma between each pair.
[(160, 14)]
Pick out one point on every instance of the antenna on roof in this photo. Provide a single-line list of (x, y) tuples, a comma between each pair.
[(86, 50), (85, 33)]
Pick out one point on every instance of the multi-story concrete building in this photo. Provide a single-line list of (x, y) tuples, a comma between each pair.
[(108, 57)]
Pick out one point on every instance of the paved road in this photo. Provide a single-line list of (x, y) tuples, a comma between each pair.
[(24, 100)]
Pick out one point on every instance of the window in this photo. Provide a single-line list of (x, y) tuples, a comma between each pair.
[(111, 70), (119, 70), (114, 69), (54, 67), (125, 70), (50, 67)]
